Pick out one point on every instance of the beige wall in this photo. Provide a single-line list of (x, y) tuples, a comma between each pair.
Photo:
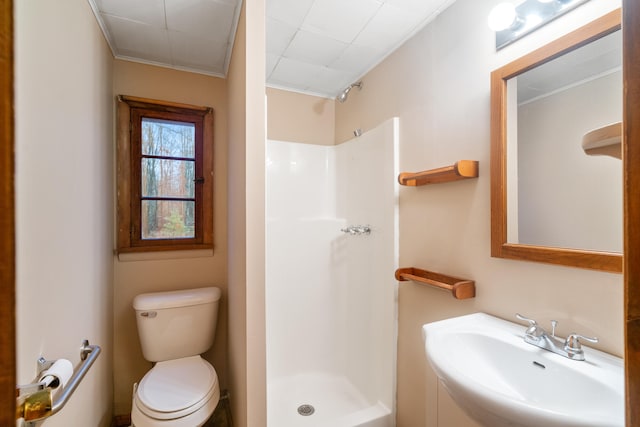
[(297, 117), (246, 160), (134, 275), (549, 131), (438, 84), (64, 188), (236, 208), (256, 136)]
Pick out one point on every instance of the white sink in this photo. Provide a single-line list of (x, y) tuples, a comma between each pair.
[(500, 380)]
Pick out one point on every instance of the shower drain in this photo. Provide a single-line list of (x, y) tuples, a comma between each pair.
[(306, 410)]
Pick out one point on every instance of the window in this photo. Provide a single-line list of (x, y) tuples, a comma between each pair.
[(164, 175)]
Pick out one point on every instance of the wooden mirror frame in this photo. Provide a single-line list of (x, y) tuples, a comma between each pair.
[(631, 159), (500, 247)]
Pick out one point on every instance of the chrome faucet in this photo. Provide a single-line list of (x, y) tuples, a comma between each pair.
[(570, 347)]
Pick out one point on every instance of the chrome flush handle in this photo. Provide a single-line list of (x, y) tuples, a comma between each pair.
[(149, 314)]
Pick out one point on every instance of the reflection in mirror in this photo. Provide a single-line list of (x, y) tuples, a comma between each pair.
[(551, 200), (566, 198)]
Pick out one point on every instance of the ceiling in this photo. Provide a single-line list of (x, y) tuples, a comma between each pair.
[(593, 60), (312, 46)]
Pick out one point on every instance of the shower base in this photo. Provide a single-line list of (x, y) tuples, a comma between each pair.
[(321, 400)]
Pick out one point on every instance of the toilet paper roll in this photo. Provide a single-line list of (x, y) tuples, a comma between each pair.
[(58, 374)]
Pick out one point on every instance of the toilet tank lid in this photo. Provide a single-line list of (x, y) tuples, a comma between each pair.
[(174, 299)]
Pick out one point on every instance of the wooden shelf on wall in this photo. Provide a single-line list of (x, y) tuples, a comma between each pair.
[(462, 169), (459, 288), (604, 141)]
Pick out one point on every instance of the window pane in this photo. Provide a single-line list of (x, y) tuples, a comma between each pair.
[(163, 219), (168, 138), (167, 178)]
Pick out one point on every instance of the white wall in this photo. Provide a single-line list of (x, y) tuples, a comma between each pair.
[(302, 278), (367, 194), (64, 186), (438, 83)]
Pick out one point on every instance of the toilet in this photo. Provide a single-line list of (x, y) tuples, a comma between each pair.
[(175, 328)]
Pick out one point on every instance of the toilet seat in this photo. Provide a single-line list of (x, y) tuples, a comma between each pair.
[(176, 388)]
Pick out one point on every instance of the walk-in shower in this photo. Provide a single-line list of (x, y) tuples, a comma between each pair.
[(332, 249)]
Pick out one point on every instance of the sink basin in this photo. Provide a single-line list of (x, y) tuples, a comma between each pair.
[(499, 380)]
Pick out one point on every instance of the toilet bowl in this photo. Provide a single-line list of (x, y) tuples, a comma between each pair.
[(176, 393), (181, 390)]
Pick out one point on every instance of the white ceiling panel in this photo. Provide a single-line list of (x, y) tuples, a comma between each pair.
[(294, 74), (148, 11), (312, 46), (339, 19), (280, 35), (356, 57), (314, 49), (327, 79), (371, 30), (388, 27), (420, 7), (196, 53), (135, 39), (270, 62), (290, 12), (192, 35), (204, 19)]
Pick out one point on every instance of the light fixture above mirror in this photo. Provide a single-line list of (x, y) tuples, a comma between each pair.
[(511, 22)]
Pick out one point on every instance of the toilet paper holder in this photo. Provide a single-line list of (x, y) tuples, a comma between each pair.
[(41, 391)]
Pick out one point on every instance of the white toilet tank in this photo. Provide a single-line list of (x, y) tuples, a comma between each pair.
[(176, 324)]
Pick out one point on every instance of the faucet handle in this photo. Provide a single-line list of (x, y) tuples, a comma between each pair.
[(534, 330), (531, 321), (573, 341)]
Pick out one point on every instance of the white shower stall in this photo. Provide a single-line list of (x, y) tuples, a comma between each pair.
[(332, 249)]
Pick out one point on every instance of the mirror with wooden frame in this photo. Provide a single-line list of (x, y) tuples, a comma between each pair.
[(556, 195)]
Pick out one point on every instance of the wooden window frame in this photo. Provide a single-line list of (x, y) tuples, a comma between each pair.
[(130, 110)]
